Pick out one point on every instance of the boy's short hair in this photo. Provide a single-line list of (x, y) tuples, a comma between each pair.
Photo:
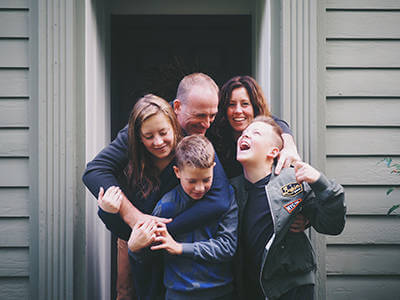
[(195, 151), (277, 130)]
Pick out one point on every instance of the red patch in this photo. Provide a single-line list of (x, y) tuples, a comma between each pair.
[(292, 205)]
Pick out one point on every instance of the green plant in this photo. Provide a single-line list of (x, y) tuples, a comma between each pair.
[(394, 169)]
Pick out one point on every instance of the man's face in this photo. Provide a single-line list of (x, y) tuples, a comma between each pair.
[(196, 182), (256, 144), (196, 114)]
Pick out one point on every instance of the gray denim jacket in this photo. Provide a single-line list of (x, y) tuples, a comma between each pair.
[(289, 260)]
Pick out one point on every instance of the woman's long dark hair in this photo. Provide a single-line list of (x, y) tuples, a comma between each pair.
[(221, 132)]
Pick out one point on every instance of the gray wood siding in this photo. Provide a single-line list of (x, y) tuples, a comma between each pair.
[(14, 150), (362, 84)]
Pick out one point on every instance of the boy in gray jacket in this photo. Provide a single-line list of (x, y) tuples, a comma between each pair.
[(273, 262)]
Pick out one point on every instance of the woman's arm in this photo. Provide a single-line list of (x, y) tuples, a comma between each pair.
[(288, 155)]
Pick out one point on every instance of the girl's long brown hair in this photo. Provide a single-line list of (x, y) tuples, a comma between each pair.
[(141, 171)]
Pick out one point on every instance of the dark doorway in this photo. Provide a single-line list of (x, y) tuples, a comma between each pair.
[(151, 54)]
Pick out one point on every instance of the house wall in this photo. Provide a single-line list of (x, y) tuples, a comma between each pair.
[(14, 150), (362, 94)]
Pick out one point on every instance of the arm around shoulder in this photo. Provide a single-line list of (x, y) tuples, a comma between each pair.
[(223, 246)]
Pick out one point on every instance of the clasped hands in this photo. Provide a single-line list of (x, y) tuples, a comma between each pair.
[(147, 231)]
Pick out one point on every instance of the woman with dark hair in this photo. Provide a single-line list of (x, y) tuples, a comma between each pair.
[(241, 99)]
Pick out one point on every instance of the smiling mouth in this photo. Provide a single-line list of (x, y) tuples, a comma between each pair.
[(239, 119), (244, 146)]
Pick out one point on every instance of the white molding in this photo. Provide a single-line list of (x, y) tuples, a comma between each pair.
[(302, 83), (98, 134)]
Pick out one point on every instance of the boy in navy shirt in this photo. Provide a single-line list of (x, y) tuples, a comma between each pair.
[(198, 263)]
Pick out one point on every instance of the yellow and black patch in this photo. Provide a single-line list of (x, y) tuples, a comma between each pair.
[(292, 205), (291, 189)]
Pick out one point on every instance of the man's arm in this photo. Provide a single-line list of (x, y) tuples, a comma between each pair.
[(218, 249), (223, 246), (211, 207)]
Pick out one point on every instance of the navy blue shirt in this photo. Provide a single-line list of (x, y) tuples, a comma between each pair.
[(257, 229)]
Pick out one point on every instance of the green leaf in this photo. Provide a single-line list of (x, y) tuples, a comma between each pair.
[(389, 190), (388, 161), (393, 208)]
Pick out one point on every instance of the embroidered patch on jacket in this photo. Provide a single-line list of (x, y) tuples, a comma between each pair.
[(292, 205), (291, 189)]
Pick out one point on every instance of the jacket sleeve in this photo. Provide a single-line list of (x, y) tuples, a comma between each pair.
[(223, 246), (104, 169), (210, 208), (325, 206)]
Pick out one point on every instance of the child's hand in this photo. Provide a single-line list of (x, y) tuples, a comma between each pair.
[(110, 201), (143, 234), (304, 172), (166, 240)]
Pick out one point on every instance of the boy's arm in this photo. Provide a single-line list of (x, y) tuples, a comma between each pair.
[(210, 208), (324, 203), (218, 249)]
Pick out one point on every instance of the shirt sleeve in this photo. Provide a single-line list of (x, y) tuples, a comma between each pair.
[(210, 208), (282, 124), (223, 246), (104, 169), (115, 224)]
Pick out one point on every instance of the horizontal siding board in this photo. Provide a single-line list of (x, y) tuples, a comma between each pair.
[(363, 287), (14, 262), (354, 141), (363, 260), (367, 200), (363, 4), (14, 142), (14, 113), (358, 112), (14, 288), (362, 24), (13, 53), (14, 23), (14, 202), (360, 170), (363, 53), (356, 82), (17, 172), (14, 232), (13, 83), (368, 230)]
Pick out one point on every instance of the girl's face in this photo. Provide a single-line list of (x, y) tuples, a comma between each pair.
[(240, 111), (157, 135)]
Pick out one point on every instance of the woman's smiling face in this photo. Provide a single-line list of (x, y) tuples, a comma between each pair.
[(157, 135), (240, 111)]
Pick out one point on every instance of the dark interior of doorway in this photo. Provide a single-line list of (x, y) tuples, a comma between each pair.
[(151, 54)]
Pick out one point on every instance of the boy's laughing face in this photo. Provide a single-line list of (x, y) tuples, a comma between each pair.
[(256, 144)]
